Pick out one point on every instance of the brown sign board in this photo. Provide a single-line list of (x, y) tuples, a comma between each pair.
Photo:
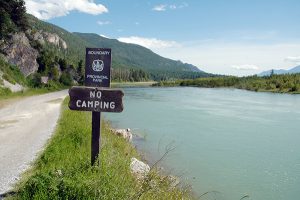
[(97, 67), (96, 99)]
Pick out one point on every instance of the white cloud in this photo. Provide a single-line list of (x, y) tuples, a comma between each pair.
[(173, 7), (47, 9), (151, 43), (245, 67), (216, 56), (104, 36), (160, 7), (101, 23), (164, 7), (294, 59)]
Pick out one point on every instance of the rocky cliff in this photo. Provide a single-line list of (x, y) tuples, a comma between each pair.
[(52, 38), (17, 51)]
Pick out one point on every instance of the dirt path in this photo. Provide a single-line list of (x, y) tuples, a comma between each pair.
[(25, 126)]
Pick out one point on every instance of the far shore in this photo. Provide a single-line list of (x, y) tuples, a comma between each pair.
[(133, 84)]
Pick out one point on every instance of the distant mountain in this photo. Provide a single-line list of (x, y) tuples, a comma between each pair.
[(48, 50), (138, 57), (127, 56), (295, 70), (281, 71)]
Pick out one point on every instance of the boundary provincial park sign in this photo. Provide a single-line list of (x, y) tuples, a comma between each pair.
[(96, 96), (97, 67)]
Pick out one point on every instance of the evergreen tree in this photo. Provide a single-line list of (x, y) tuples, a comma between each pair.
[(12, 17), (17, 14), (63, 64)]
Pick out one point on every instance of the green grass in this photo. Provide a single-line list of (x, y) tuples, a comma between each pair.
[(11, 73), (63, 170), (6, 94)]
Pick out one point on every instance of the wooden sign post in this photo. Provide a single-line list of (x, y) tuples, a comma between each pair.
[(96, 97)]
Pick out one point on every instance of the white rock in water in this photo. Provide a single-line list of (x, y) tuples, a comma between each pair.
[(139, 168), (125, 133), (174, 181)]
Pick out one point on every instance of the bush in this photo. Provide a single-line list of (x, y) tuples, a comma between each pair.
[(66, 79), (35, 80), (4, 91)]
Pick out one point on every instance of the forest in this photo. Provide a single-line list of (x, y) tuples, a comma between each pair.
[(285, 83)]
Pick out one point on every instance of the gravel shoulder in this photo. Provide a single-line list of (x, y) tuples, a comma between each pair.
[(25, 127)]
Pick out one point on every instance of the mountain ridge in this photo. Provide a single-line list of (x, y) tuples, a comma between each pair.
[(293, 70), (125, 55)]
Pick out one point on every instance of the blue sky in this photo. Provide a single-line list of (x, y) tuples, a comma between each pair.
[(238, 37)]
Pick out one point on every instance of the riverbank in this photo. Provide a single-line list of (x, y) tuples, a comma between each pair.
[(133, 84), (286, 83), (63, 170)]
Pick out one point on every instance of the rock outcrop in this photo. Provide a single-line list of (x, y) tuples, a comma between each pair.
[(18, 51), (139, 169), (124, 133), (51, 38)]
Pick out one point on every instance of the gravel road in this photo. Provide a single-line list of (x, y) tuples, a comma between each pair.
[(25, 127)]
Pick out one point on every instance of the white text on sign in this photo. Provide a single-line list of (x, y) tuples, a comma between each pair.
[(98, 52), (95, 103)]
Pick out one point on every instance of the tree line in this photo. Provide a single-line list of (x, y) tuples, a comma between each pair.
[(284, 83), (129, 75), (12, 17)]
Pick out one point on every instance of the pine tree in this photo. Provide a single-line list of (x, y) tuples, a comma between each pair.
[(12, 17)]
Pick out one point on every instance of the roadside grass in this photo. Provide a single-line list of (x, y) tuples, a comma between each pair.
[(24, 93), (6, 96), (63, 169)]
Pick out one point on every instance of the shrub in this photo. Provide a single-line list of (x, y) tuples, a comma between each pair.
[(66, 79)]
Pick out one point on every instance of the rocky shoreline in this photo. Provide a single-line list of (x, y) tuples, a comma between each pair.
[(139, 168)]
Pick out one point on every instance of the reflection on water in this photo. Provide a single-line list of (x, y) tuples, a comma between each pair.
[(233, 142)]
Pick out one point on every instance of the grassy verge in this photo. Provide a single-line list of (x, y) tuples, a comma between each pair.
[(14, 96), (9, 97), (25, 93), (63, 170), (11, 73)]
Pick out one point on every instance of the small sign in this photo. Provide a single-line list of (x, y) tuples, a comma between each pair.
[(95, 99), (97, 67)]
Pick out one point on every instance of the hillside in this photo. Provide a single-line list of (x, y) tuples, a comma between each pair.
[(50, 56), (134, 56), (125, 56), (293, 70)]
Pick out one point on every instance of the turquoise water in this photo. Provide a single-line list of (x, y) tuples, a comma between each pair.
[(230, 141)]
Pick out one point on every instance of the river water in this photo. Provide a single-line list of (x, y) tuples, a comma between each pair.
[(228, 142)]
